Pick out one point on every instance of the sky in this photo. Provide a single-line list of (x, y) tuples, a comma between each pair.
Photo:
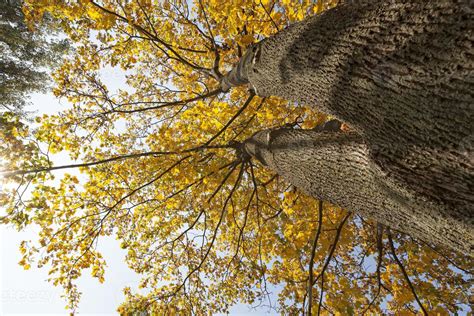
[(26, 292)]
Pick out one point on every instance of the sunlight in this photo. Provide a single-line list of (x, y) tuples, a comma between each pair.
[(3, 167)]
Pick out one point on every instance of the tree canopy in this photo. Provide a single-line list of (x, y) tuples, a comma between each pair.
[(161, 171), (25, 56)]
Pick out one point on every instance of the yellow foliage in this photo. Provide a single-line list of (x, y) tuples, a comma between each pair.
[(187, 210)]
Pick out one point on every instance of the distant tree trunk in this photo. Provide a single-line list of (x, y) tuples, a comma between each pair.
[(401, 73)]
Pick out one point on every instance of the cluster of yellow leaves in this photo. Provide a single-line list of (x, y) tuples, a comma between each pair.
[(204, 231)]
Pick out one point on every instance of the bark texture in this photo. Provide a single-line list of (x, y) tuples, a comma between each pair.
[(401, 73), (338, 167)]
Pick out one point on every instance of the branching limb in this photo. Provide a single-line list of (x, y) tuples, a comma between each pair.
[(7, 173), (405, 274), (267, 12), (380, 229), (151, 36), (236, 115), (214, 236), (160, 105), (311, 261), (215, 73), (328, 260)]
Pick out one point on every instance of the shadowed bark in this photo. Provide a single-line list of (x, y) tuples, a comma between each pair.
[(401, 73)]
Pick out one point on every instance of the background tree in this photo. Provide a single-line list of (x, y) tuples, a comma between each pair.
[(25, 56), (27, 59), (205, 227)]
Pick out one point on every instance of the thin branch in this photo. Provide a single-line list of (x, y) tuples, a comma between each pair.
[(402, 268), (333, 246), (328, 260), (202, 211), (445, 257), (246, 104), (150, 36), (241, 229), (246, 124), (7, 173), (380, 229), (269, 15), (215, 69), (326, 264), (161, 105), (311, 262), (214, 235), (148, 19)]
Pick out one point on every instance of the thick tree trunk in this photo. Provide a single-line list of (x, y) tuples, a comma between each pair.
[(337, 167), (401, 73)]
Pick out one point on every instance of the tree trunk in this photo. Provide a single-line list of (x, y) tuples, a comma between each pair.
[(401, 73), (337, 167)]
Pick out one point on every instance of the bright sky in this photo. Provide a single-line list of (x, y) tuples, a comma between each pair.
[(28, 293)]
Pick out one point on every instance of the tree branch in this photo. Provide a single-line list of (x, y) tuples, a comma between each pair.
[(149, 35), (7, 173), (328, 260), (402, 268), (161, 105), (380, 229), (311, 262), (214, 235), (246, 104)]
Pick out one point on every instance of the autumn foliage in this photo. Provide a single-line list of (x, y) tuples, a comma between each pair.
[(161, 171)]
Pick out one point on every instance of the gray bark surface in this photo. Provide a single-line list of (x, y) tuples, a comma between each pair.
[(401, 73), (338, 167)]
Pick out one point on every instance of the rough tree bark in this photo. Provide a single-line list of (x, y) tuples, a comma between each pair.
[(401, 73)]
